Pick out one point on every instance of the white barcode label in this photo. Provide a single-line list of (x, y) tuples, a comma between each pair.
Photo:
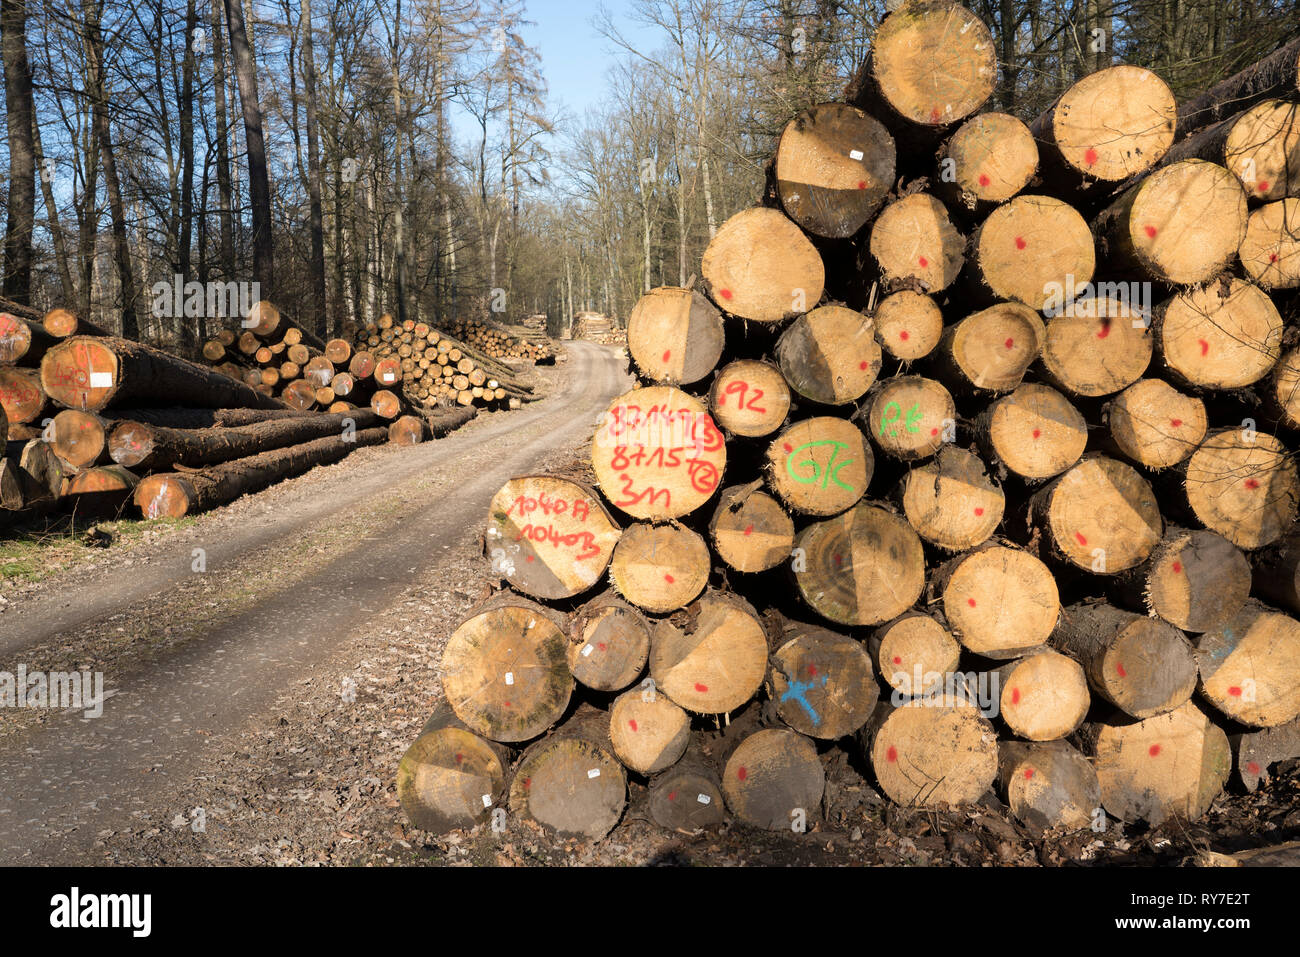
[(594, 773), (510, 677), (855, 154), (586, 652), (101, 380), (487, 800), (389, 377), (703, 798)]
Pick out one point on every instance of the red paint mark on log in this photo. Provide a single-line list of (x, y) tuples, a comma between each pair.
[(1175, 423), (971, 602), (839, 559), (862, 184), (506, 703), (601, 645), (1029, 773), (672, 795), (669, 579), (1090, 157), (1251, 484), (892, 754), (1020, 242), (1272, 257), (898, 660), (742, 773), (934, 431), (903, 335), (1205, 346), (532, 558), (863, 364), (1154, 750), (702, 689), (1078, 537), (1010, 342), (1252, 767), (924, 262), (1015, 696), (667, 353), (632, 724), (724, 293), (978, 511), (1150, 231), (749, 529), (528, 782), (1105, 327), (788, 447), (1037, 433), (1119, 669), (984, 179), (1235, 691), (935, 115), (1263, 186), (1178, 568), (460, 758), (812, 669)]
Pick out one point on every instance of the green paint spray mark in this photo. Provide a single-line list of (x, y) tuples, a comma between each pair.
[(819, 475), (889, 415)]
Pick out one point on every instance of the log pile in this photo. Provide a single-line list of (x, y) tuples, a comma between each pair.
[(973, 451), (596, 327), (430, 367), (97, 425), (499, 342)]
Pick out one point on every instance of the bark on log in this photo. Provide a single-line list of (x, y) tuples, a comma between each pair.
[(90, 373), (1273, 76), (154, 448), (182, 418), (174, 494)]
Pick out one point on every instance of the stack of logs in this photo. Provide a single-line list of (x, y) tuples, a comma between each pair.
[(595, 327), (95, 422), (988, 519), (500, 343), (432, 367)]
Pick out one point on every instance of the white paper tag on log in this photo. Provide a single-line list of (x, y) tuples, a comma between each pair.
[(703, 798), (487, 800), (586, 652), (101, 380), (594, 773), (389, 377), (855, 154), (510, 677)]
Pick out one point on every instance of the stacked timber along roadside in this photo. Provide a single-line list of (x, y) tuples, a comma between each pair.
[(971, 450), (98, 425)]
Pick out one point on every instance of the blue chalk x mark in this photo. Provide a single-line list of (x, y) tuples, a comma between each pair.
[(796, 690)]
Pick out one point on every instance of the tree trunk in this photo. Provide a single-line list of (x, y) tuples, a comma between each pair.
[(19, 112), (258, 183)]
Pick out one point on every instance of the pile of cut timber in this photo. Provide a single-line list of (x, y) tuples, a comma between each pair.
[(95, 423), (430, 366), (501, 343), (906, 476), (596, 327)]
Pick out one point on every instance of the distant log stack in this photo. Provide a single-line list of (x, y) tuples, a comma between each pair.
[(1017, 494)]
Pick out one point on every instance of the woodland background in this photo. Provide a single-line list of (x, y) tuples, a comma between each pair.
[(307, 145)]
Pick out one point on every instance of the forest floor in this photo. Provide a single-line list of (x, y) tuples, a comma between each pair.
[(259, 707)]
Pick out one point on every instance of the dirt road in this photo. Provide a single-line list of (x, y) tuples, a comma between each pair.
[(201, 634)]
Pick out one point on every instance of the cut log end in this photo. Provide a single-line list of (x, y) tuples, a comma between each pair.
[(774, 780), (830, 355), (913, 239), (760, 266), (951, 501), (1031, 246), (1035, 432), (1102, 516), (660, 568), (1043, 696), (1001, 602), (1250, 668), (674, 335), (649, 732), (911, 417), (823, 683), (750, 530), (749, 398), (715, 661), (908, 325), (1243, 485), (1114, 123), (930, 754), (820, 466), (1155, 425)]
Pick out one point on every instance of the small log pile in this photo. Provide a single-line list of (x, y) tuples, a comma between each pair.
[(430, 367), (973, 451), (597, 327), (499, 342), (96, 424)]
